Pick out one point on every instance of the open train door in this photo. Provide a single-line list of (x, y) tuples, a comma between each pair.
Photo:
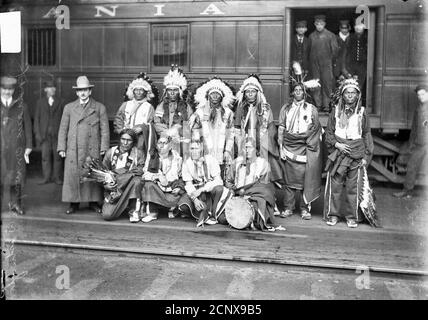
[(334, 15)]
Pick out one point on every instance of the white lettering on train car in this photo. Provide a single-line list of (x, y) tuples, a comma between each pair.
[(111, 13), (63, 17), (211, 10), (159, 9), (50, 13)]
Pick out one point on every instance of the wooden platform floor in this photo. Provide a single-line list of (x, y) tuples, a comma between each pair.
[(401, 244)]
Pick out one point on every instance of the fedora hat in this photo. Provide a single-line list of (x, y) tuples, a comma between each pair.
[(82, 82), (49, 84), (8, 82)]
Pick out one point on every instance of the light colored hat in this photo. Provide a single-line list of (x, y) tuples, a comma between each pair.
[(82, 82), (8, 82), (140, 83)]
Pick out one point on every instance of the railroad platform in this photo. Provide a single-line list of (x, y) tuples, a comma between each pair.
[(400, 246)]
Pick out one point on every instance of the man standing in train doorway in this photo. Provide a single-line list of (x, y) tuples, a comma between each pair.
[(47, 119), (300, 45), (16, 142), (350, 147), (342, 41), (355, 63), (323, 50), (84, 131), (418, 142)]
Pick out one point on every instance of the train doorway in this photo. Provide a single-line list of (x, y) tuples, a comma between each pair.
[(333, 18)]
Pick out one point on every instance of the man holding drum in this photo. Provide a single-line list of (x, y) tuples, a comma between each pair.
[(249, 178)]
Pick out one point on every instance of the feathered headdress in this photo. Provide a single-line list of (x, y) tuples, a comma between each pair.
[(252, 82), (175, 79), (143, 81), (298, 78), (214, 85), (336, 95)]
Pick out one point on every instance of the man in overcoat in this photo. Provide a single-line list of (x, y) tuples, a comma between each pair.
[(84, 131), (16, 142), (47, 119), (323, 51)]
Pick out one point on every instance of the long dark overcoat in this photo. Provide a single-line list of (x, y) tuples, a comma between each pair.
[(16, 135), (82, 133)]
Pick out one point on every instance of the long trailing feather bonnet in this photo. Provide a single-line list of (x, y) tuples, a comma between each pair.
[(214, 85)]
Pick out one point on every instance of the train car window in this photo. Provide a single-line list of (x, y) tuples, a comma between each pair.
[(170, 45), (41, 47)]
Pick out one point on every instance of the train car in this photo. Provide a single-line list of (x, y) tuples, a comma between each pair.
[(112, 41)]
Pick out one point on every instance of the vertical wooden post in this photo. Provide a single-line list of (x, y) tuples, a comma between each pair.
[(379, 58), (286, 55)]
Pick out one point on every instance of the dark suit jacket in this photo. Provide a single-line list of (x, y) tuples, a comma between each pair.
[(41, 117), (303, 58)]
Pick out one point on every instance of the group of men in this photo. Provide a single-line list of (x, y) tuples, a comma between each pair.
[(191, 159), (328, 57)]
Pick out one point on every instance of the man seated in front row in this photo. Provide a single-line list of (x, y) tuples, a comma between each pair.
[(249, 176), (201, 174), (163, 185), (127, 163)]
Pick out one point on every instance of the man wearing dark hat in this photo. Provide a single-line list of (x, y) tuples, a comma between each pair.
[(342, 40), (418, 142), (300, 45), (16, 142), (84, 131), (47, 119), (355, 61), (323, 51)]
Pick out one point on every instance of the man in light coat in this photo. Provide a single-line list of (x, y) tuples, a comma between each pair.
[(84, 131)]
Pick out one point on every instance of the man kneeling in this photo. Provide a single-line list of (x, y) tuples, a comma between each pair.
[(126, 162), (204, 185)]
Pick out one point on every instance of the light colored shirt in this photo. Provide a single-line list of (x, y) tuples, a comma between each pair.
[(6, 102), (51, 101), (136, 113), (241, 176), (193, 177), (298, 117)]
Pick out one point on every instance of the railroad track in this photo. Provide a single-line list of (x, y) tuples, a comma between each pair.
[(222, 244)]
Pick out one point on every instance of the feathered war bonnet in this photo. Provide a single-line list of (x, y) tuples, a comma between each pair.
[(175, 79), (251, 82), (214, 85), (143, 81), (298, 79)]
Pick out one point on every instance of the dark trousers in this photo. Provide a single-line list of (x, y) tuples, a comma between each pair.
[(15, 194), (334, 194), (211, 200), (290, 199), (417, 156), (51, 161), (324, 71)]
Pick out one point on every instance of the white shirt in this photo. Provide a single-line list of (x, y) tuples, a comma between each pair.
[(51, 101), (6, 102), (343, 36), (302, 117)]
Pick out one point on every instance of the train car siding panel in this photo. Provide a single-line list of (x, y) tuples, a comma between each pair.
[(248, 36)]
